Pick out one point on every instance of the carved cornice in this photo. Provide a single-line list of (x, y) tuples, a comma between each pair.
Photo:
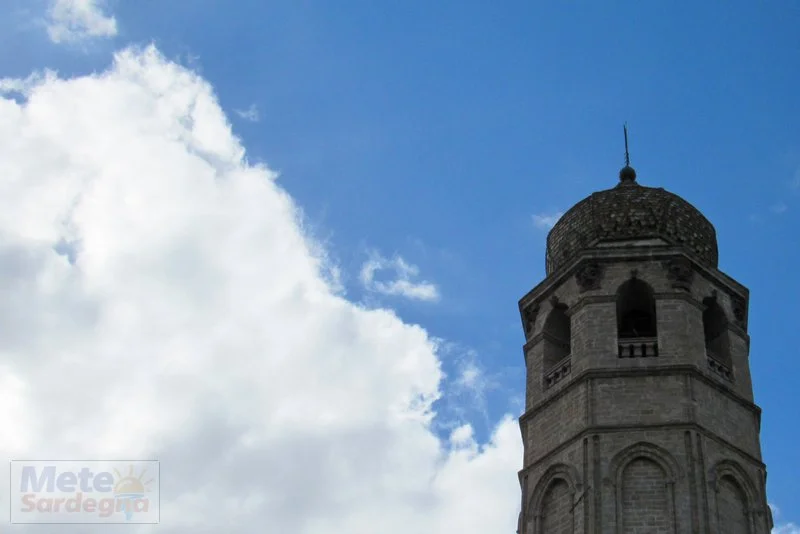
[(635, 255), (587, 300)]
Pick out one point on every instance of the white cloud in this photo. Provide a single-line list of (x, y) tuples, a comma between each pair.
[(467, 386), (160, 300), (462, 436), (471, 377), (76, 20), (9, 86), (472, 381), (250, 114), (781, 527), (402, 285), (546, 221)]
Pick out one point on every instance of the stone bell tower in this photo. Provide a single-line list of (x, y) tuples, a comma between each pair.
[(639, 414)]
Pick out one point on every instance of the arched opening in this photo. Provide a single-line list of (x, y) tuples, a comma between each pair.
[(715, 330), (732, 507), (557, 339), (644, 477), (645, 501), (636, 310), (735, 497), (551, 508), (556, 514), (636, 319)]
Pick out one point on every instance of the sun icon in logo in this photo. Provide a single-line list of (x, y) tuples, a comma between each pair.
[(130, 488)]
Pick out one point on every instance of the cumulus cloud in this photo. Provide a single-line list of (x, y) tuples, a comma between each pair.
[(402, 284), (17, 86), (250, 114), (159, 299), (546, 221), (76, 20)]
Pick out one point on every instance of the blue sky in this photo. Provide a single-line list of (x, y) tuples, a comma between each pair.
[(436, 131)]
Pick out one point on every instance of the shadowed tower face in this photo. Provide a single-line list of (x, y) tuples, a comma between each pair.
[(639, 407)]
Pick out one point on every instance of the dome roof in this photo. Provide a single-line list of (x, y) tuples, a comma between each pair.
[(627, 212)]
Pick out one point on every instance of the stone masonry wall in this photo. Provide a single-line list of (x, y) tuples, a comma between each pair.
[(643, 444)]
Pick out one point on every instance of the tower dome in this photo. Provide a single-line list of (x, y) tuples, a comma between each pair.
[(628, 213)]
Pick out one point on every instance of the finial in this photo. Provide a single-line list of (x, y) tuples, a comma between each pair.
[(627, 156), (627, 174)]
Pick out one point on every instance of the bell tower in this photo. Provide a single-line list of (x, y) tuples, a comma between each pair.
[(639, 415)]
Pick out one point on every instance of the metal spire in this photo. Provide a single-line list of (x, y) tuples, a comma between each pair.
[(627, 175), (627, 157)]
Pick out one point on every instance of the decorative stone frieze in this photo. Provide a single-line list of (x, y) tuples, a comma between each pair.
[(589, 275), (680, 273)]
